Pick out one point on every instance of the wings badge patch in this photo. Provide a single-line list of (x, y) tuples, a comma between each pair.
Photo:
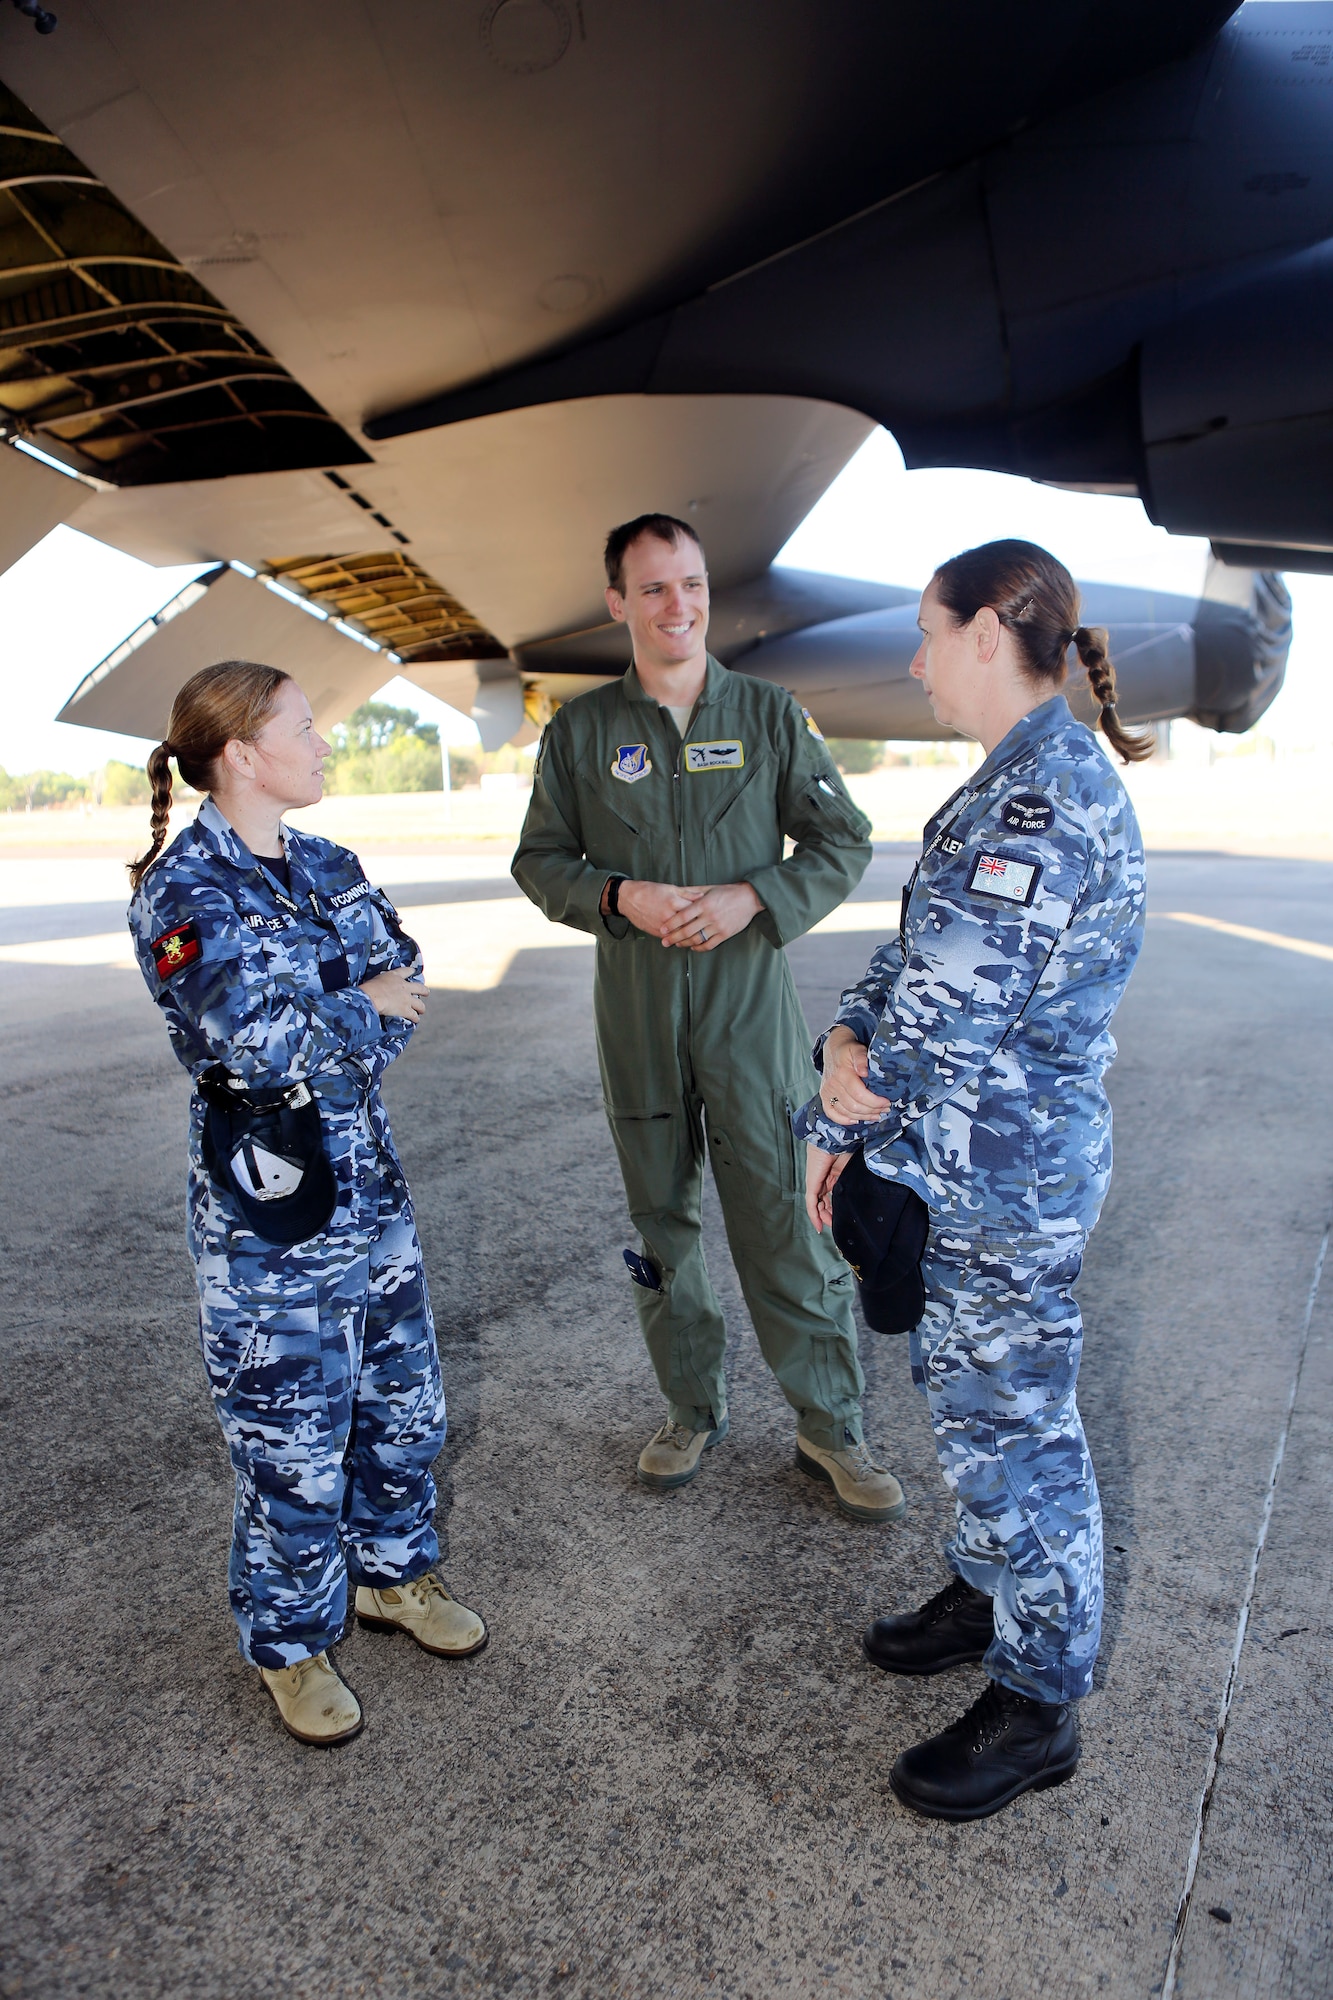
[(1009, 881), (632, 762), (174, 950), (719, 756)]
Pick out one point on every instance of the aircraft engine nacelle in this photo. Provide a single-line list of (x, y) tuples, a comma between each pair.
[(1237, 411), (1218, 659)]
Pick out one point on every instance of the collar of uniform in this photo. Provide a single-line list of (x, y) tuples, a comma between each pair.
[(715, 681), (222, 835), (1044, 720)]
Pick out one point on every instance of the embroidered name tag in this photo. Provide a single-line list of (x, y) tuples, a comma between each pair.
[(346, 896), (721, 756), (632, 762), (1008, 881), (1027, 812), (947, 845), (174, 950)]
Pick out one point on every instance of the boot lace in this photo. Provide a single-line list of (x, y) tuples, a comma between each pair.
[(862, 1463), (952, 1598), (987, 1718), (676, 1434), (423, 1588)]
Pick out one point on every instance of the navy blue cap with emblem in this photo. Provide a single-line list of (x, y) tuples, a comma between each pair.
[(265, 1149)]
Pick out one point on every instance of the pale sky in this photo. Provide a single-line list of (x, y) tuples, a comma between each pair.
[(71, 599)]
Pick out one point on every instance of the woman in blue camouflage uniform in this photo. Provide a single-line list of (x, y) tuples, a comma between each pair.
[(281, 970), (984, 1024)]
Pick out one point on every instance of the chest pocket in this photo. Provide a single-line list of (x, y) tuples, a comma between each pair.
[(714, 793)]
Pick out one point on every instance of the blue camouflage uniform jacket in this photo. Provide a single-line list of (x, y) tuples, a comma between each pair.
[(986, 1018), (264, 980)]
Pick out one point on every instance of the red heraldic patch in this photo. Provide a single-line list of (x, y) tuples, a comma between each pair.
[(174, 950)]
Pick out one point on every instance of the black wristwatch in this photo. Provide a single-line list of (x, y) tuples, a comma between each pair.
[(613, 895)]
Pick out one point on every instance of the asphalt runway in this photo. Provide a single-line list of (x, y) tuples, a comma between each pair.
[(667, 1775)]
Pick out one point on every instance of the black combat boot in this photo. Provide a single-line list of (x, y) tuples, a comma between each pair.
[(1004, 1746), (953, 1629)]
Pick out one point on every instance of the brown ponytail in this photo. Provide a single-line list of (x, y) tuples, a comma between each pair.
[(159, 772), (1036, 599), (1132, 745), (226, 703)]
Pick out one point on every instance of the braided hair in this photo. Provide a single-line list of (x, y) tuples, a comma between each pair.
[(229, 702), (1036, 599)]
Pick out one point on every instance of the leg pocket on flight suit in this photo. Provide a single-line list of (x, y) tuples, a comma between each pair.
[(228, 1351), (653, 1163), (791, 1166)]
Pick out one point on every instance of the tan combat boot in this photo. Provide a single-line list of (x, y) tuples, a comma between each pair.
[(426, 1612), (315, 1703), (860, 1487), (671, 1456)]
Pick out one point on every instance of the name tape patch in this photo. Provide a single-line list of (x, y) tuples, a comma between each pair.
[(631, 763), (176, 949), (1027, 812), (1007, 880), (719, 756), (948, 845), (255, 922), (346, 896)]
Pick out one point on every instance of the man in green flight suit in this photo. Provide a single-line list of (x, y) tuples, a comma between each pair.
[(659, 808)]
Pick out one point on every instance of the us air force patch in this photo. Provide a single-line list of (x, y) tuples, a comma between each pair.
[(632, 763), (174, 950), (1007, 880), (1027, 812), (720, 756)]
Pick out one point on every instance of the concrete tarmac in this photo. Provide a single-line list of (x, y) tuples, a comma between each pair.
[(667, 1775)]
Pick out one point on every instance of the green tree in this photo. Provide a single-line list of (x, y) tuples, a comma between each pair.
[(29, 791), (855, 753), (125, 785), (384, 749)]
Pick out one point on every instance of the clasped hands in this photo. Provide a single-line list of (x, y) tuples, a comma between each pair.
[(846, 1098), (695, 919)]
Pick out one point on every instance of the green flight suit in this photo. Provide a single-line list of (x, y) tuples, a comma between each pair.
[(708, 1052)]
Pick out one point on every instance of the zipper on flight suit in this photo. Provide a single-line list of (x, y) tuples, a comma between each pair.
[(680, 849)]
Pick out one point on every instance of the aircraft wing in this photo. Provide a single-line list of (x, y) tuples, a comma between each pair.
[(450, 290)]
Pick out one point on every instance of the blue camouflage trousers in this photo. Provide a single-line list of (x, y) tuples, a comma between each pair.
[(996, 1356), (322, 1363)]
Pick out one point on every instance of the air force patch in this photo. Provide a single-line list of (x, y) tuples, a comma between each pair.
[(1027, 812), (632, 762), (719, 756), (1009, 881), (812, 725)]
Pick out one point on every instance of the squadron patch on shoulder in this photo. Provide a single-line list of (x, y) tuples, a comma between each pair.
[(812, 725), (1009, 881), (632, 762), (728, 755), (1027, 812), (176, 949)]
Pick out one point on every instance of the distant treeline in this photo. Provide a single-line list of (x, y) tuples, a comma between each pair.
[(378, 749)]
